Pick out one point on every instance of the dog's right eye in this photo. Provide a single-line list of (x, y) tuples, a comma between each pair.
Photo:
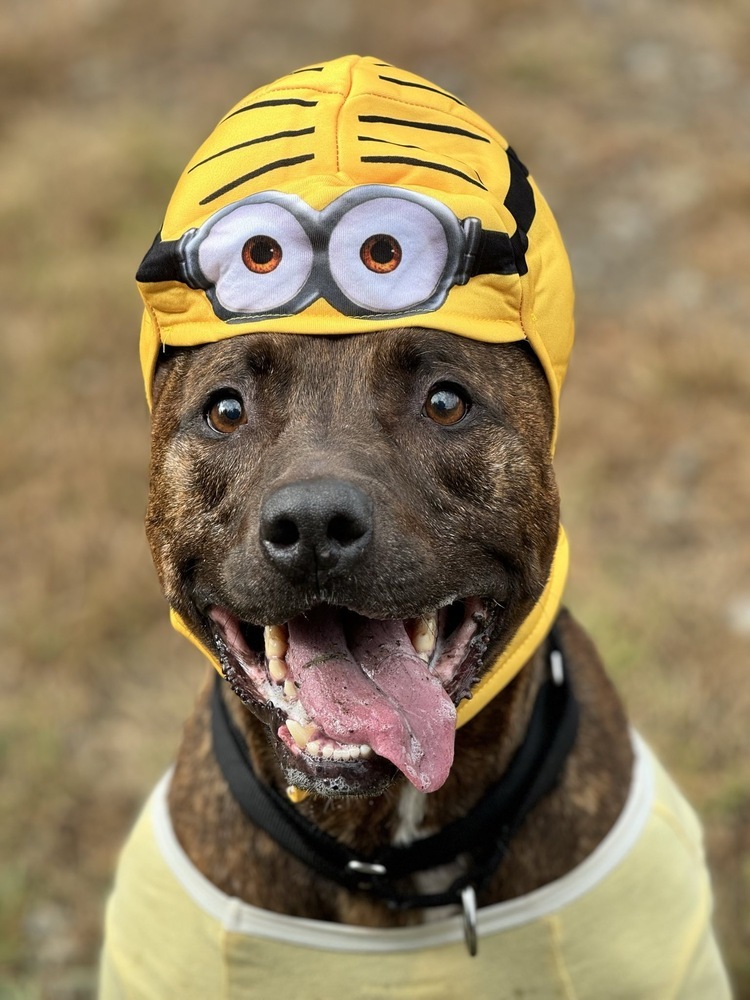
[(447, 404), (226, 413)]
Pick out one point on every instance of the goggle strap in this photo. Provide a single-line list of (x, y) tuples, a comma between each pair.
[(494, 255), (165, 261)]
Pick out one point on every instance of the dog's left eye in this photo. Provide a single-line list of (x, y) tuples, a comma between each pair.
[(446, 404), (226, 413)]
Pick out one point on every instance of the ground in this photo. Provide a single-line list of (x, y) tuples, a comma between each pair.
[(635, 120)]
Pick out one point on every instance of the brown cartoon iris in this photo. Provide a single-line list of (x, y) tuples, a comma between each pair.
[(381, 253), (261, 254)]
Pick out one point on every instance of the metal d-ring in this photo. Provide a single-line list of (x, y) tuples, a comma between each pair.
[(469, 904), (366, 868), (557, 667)]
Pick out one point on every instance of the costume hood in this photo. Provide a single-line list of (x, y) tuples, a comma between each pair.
[(352, 196)]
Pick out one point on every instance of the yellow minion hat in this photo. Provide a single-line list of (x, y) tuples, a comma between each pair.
[(352, 196)]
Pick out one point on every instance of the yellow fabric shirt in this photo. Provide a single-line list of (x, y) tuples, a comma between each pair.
[(633, 921)]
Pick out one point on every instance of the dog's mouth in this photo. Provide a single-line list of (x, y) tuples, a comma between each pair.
[(342, 691)]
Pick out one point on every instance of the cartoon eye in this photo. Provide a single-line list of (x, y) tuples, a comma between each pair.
[(257, 257), (388, 254)]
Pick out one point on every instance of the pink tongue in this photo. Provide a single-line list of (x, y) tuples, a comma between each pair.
[(375, 690)]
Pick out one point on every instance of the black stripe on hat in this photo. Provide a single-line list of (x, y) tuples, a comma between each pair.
[(390, 142), (288, 162), (252, 142), (309, 69), (520, 202), (422, 86), (423, 163), (431, 127), (272, 104)]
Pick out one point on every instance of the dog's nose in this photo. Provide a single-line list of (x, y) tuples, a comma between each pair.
[(317, 527)]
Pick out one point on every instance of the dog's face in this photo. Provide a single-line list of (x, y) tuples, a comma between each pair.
[(354, 525)]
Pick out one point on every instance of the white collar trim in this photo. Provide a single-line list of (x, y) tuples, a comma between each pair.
[(242, 918)]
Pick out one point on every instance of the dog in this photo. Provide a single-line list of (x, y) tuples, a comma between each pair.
[(410, 776)]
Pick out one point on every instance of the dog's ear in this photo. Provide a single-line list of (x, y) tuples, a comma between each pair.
[(164, 364)]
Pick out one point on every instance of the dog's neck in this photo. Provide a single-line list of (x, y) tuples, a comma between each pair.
[(410, 811), (241, 860)]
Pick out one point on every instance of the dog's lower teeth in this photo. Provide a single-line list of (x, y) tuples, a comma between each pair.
[(329, 750), (290, 691)]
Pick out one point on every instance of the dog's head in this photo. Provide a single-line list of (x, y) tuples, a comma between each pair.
[(348, 523)]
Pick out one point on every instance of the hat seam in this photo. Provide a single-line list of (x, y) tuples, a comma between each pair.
[(308, 89), (337, 130)]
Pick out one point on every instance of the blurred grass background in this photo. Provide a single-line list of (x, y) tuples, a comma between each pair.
[(635, 119)]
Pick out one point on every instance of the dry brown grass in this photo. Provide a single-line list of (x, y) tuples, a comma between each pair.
[(635, 120)]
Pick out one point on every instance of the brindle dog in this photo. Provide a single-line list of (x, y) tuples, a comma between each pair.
[(377, 476)]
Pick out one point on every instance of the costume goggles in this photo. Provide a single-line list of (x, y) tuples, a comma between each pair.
[(376, 251)]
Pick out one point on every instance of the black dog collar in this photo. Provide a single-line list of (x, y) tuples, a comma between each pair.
[(484, 834)]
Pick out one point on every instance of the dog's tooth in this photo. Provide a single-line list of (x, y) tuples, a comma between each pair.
[(313, 748), (275, 638), (277, 668), (290, 690), (327, 751), (365, 750), (300, 734), (424, 636), (277, 632)]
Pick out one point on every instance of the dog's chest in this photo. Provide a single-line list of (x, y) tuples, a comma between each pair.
[(411, 810)]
